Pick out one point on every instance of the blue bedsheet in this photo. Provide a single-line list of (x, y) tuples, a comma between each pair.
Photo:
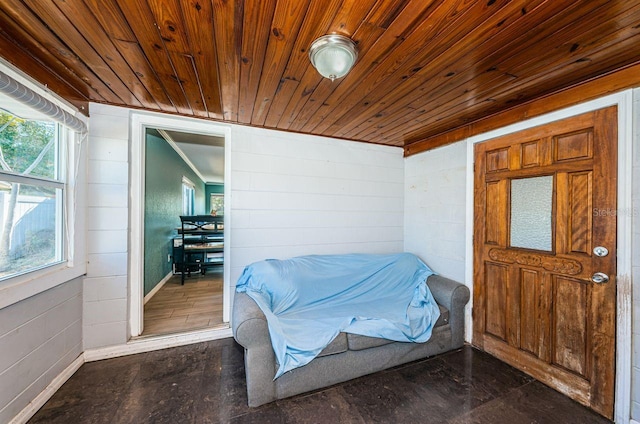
[(308, 300)]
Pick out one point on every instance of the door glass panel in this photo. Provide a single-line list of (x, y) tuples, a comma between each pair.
[(531, 210)]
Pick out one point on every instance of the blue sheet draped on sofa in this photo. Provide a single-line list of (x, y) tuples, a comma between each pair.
[(308, 300)]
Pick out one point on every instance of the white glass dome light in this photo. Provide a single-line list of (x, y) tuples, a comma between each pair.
[(333, 55)]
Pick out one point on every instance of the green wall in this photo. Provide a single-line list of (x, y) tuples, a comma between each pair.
[(164, 170), (210, 189)]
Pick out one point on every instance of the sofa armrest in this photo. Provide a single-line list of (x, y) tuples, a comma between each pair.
[(249, 323), (453, 296), (448, 293), (251, 331)]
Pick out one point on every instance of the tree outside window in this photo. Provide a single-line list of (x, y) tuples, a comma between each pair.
[(31, 193)]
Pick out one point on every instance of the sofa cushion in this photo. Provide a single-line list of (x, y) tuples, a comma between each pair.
[(338, 345), (358, 342)]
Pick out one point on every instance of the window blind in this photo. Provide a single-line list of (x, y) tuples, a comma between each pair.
[(25, 95)]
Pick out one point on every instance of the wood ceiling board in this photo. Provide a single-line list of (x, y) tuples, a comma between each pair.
[(346, 22), (475, 90), (424, 68), (168, 19), (540, 62), (407, 58), (198, 23), (406, 79), (564, 71), (287, 21), (227, 24), (108, 13), (299, 98), (317, 22), (112, 20), (19, 15), (20, 39), (140, 20), (602, 85), (138, 62), (184, 69), (256, 29), (39, 72), (91, 29), (474, 112), (64, 29), (444, 72), (489, 51), (314, 87), (370, 35)]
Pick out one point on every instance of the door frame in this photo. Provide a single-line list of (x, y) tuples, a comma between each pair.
[(139, 123), (624, 101)]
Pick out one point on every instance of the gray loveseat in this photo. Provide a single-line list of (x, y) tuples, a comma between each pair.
[(348, 355)]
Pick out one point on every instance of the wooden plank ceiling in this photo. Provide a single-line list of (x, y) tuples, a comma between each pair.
[(425, 67)]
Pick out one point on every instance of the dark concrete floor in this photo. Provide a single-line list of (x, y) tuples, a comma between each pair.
[(204, 383)]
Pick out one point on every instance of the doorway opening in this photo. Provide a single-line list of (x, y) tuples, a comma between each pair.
[(183, 232), (179, 264)]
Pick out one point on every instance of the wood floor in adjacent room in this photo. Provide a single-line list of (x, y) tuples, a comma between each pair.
[(177, 308), (205, 383)]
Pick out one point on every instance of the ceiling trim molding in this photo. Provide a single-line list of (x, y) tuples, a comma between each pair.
[(179, 151), (592, 89)]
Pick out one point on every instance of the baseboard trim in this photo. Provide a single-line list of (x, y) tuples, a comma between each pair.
[(157, 288), (633, 422), (151, 343), (37, 403)]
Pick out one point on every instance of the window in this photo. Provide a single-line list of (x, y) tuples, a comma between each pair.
[(188, 196), (32, 189), (531, 213)]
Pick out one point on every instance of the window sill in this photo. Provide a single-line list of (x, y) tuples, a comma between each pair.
[(18, 288)]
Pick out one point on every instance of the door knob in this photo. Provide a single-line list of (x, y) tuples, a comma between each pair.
[(600, 251), (600, 278)]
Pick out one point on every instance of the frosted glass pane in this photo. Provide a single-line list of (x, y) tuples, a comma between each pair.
[(531, 209)]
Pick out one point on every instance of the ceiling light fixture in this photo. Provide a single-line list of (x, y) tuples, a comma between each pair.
[(333, 55)]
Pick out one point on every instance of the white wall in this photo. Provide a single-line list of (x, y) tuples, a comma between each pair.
[(291, 194), (105, 285), (435, 199), (39, 338), (41, 311), (295, 194), (435, 182), (635, 275)]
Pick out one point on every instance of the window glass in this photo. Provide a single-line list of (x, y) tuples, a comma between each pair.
[(31, 195), (531, 210), (28, 147), (188, 197)]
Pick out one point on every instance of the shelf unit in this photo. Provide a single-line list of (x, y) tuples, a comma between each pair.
[(200, 244)]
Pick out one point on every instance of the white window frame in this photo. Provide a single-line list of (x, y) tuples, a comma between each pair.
[(73, 157), (186, 183), (57, 183)]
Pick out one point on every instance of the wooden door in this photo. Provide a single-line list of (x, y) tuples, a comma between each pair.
[(544, 199)]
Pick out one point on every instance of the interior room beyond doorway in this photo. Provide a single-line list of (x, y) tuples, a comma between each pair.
[(183, 264)]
